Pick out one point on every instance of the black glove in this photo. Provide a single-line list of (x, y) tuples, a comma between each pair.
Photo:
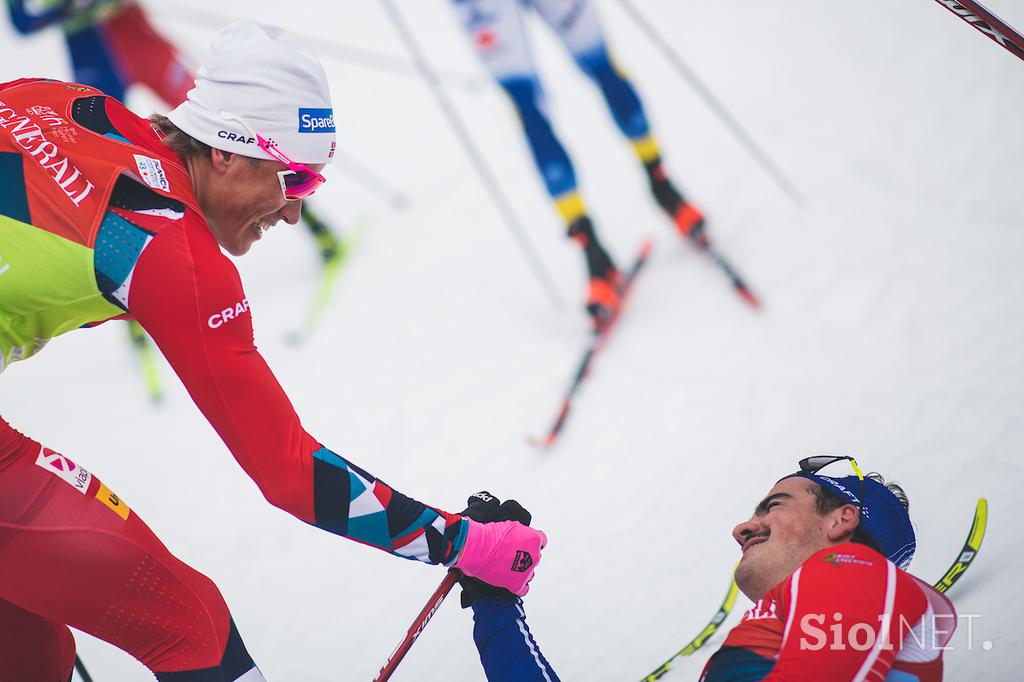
[(486, 508)]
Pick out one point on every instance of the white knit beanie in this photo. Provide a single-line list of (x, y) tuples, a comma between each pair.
[(263, 75)]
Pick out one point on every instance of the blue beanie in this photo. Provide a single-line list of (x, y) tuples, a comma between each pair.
[(882, 515)]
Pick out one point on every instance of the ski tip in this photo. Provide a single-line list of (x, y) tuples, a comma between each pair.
[(749, 297), (977, 533), (541, 443), (645, 248)]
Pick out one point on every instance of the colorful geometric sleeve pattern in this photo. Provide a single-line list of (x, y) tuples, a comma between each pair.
[(350, 502), (119, 244)]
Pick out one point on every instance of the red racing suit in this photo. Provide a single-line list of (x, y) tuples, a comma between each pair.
[(98, 221), (846, 614)]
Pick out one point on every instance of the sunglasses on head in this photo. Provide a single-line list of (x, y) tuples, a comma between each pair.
[(299, 181), (812, 465)]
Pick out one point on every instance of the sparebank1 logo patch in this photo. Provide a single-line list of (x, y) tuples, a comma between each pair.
[(62, 467), (316, 120)]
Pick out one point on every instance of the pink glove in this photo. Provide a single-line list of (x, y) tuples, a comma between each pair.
[(503, 554)]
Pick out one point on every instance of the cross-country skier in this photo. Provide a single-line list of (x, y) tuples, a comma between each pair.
[(113, 46), (107, 215), (823, 562), (496, 28)]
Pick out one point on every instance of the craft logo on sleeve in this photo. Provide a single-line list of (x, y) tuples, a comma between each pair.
[(228, 314), (316, 120), (152, 172), (62, 467)]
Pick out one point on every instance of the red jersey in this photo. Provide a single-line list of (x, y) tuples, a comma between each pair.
[(847, 613)]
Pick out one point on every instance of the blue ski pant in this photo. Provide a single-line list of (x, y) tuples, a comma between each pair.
[(498, 32)]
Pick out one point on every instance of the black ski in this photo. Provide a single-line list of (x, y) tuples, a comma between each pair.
[(701, 241), (598, 338)]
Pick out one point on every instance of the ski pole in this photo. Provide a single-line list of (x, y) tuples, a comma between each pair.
[(147, 361), (418, 625), (688, 74), (359, 172), (80, 669), (366, 58), (476, 158), (371, 181), (981, 18)]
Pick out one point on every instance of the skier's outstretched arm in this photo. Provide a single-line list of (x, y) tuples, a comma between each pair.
[(188, 297), (507, 649)]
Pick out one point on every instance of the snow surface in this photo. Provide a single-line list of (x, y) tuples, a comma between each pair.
[(892, 330)]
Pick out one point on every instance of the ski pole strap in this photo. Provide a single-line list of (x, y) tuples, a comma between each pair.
[(418, 625)]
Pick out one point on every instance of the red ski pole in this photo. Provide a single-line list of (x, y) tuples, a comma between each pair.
[(981, 18), (418, 625)]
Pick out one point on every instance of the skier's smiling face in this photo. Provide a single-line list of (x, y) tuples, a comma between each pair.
[(242, 198), (785, 529)]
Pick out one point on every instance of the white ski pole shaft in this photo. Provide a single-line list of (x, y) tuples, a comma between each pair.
[(704, 92), (541, 274)]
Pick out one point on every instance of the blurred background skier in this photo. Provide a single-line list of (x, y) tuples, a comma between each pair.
[(498, 32)]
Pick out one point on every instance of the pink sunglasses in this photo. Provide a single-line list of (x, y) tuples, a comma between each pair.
[(299, 181)]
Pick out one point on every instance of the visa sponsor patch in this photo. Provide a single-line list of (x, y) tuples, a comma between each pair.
[(63, 468), (316, 120), (152, 172)]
